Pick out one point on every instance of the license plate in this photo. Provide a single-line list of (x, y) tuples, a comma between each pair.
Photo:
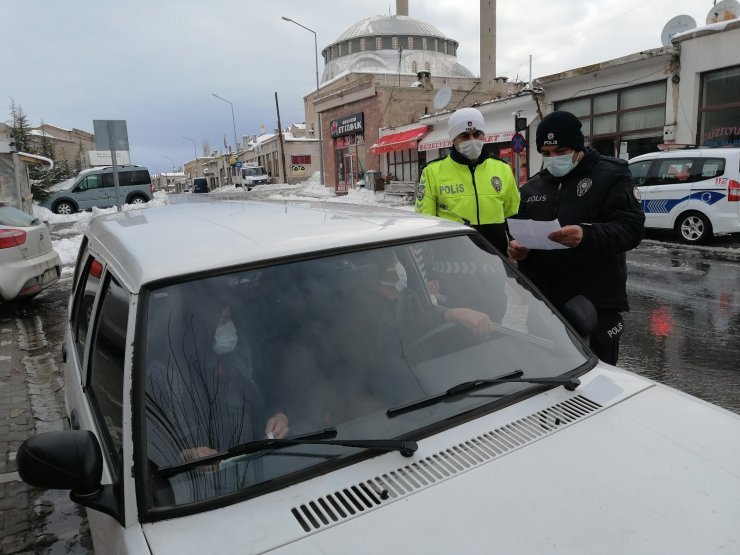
[(50, 275)]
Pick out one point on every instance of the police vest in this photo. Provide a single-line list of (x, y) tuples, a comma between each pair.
[(483, 194)]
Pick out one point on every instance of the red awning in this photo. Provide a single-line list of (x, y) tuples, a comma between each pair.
[(400, 141)]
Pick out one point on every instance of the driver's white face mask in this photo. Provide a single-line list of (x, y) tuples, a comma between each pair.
[(401, 278), (225, 338)]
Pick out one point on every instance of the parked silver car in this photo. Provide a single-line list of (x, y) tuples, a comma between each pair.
[(28, 262), (94, 188)]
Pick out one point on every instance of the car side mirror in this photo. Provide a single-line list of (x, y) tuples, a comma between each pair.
[(581, 314), (68, 460)]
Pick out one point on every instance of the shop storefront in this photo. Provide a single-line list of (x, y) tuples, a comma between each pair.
[(719, 113), (403, 161), (348, 139)]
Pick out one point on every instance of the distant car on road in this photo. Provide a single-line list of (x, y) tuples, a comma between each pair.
[(307, 378), (200, 185), (695, 192), (28, 262), (94, 187)]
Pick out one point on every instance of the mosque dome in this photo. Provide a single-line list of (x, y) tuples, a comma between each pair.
[(392, 44)]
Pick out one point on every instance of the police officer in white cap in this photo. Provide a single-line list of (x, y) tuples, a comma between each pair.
[(468, 186)]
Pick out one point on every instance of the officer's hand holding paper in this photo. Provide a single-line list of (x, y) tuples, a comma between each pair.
[(533, 234)]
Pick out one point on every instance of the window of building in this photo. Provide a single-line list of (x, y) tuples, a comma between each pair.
[(403, 164), (378, 43), (410, 43), (424, 42), (427, 67), (635, 115), (362, 44), (300, 159), (414, 66), (394, 43), (719, 113)]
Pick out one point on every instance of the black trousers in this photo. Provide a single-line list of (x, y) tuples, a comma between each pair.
[(604, 340), (496, 235)]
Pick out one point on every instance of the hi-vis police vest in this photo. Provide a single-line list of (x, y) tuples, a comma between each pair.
[(487, 195)]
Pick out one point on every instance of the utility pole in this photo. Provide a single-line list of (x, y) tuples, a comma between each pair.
[(282, 141)]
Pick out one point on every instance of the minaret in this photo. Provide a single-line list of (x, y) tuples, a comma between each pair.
[(487, 43), (402, 7)]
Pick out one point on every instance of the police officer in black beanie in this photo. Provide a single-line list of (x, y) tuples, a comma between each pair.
[(593, 198)]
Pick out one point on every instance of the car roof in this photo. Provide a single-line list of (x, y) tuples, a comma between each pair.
[(151, 244), (688, 153)]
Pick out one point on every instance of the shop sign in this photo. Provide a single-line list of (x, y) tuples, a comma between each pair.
[(348, 125)]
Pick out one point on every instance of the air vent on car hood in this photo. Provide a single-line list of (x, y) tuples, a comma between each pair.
[(348, 502)]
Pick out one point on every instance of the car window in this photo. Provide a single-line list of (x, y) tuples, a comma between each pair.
[(671, 171), (11, 216), (105, 376), (135, 177), (713, 167), (91, 182), (82, 309), (329, 342), (640, 171)]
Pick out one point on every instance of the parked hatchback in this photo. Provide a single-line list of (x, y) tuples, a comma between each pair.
[(94, 187), (28, 262), (695, 192), (300, 379)]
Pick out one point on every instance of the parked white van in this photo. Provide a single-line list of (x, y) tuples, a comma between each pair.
[(695, 192), (254, 390), (250, 175), (94, 187)]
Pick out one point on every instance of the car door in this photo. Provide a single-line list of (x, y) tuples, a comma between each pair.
[(650, 191), (90, 192), (710, 194), (97, 390), (669, 189)]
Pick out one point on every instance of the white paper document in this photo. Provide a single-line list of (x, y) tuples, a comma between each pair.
[(533, 234)]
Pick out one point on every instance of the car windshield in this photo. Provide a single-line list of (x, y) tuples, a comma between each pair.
[(332, 342), (252, 172)]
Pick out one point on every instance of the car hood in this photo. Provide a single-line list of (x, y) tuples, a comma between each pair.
[(62, 185), (621, 465)]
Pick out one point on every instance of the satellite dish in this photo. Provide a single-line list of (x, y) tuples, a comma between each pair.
[(678, 24), (724, 10), (442, 98)]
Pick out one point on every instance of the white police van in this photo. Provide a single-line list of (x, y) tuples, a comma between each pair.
[(695, 192)]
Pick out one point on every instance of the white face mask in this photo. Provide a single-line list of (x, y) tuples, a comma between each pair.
[(400, 283), (559, 165), (470, 149), (225, 338)]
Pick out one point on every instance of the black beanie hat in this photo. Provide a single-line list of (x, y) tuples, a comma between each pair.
[(560, 129)]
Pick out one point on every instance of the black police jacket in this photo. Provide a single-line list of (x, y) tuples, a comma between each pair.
[(598, 194)]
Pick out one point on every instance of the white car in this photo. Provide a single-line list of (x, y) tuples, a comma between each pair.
[(307, 379), (28, 262), (695, 192)]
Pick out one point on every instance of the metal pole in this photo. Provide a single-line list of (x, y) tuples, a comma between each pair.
[(115, 167), (282, 141), (195, 154), (233, 123), (318, 114)]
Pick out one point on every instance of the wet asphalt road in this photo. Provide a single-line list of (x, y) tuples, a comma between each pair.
[(683, 330)]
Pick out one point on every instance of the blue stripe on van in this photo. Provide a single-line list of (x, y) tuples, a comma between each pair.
[(664, 206)]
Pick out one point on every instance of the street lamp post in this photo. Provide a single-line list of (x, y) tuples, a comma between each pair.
[(233, 122), (318, 114), (171, 160), (195, 156)]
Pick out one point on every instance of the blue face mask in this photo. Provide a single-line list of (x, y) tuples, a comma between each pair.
[(559, 165)]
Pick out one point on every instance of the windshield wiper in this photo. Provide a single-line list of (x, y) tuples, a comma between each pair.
[(465, 387), (323, 437)]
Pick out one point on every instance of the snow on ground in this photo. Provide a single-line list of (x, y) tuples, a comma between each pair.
[(68, 244)]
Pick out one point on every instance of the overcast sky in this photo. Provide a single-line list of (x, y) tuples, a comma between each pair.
[(155, 63)]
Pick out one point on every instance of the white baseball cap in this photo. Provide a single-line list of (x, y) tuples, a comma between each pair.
[(465, 120)]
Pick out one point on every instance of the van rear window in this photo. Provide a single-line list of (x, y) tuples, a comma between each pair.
[(137, 177)]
